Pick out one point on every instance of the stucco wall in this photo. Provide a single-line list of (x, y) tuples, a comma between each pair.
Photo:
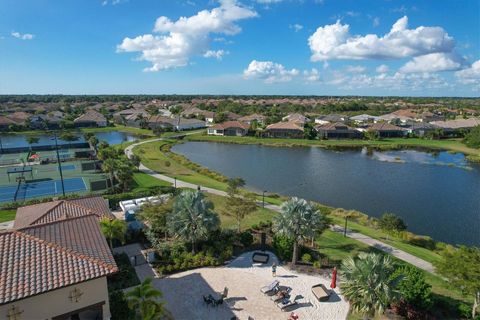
[(57, 302)]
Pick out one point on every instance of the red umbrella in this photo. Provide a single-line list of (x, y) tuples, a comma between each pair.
[(333, 285), (34, 156)]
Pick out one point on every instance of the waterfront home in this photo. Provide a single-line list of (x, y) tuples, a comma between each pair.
[(138, 119), (20, 117), (420, 129), (337, 130), (459, 124), (6, 122), (178, 123), (331, 118), (363, 119), (42, 121), (54, 264), (128, 116), (296, 118), (259, 118), (91, 118), (229, 128), (284, 130), (386, 130), (199, 113)]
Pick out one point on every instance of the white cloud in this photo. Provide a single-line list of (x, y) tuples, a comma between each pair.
[(433, 62), (24, 36), (352, 13), (297, 27), (177, 41), (383, 68), (356, 69), (335, 42), (113, 2), (376, 21), (269, 72), (470, 75), (217, 54), (311, 75)]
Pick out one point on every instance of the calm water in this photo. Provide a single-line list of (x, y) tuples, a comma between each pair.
[(436, 194), (19, 140)]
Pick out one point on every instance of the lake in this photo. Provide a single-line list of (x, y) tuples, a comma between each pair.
[(19, 140), (437, 194)]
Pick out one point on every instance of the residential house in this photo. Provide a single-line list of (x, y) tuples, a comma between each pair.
[(284, 130), (331, 118), (259, 118), (138, 119), (229, 128), (459, 124), (296, 118), (386, 130), (91, 118), (6, 122), (42, 121), (420, 129), (178, 123), (363, 119), (199, 113), (55, 262), (337, 130), (20, 117), (394, 118)]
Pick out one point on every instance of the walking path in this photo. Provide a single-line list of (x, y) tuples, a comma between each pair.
[(402, 255)]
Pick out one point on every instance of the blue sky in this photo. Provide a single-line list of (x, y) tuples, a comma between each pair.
[(313, 47)]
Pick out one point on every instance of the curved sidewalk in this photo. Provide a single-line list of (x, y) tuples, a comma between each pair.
[(402, 255)]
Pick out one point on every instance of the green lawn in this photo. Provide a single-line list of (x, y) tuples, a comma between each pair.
[(261, 215), (143, 180), (446, 144), (7, 215)]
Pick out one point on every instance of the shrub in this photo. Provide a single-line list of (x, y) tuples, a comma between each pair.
[(413, 288), (167, 163), (119, 306), (317, 264), (307, 258), (283, 247), (246, 239)]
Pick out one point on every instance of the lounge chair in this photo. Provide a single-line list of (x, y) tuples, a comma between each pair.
[(282, 293), (321, 292), (270, 288), (287, 303)]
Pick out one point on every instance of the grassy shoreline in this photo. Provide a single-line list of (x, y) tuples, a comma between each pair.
[(454, 145), (117, 127)]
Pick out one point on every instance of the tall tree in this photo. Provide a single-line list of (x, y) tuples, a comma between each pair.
[(113, 229), (298, 220), (32, 140), (124, 173), (143, 299), (109, 166), (68, 137), (461, 268), (238, 205), (192, 217), (93, 142), (368, 283)]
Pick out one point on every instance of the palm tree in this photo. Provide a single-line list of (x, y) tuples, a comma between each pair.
[(32, 140), (113, 229), (298, 220), (143, 299), (124, 173), (109, 166), (368, 284), (192, 218)]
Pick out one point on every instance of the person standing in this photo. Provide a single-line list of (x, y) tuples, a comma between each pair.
[(274, 269)]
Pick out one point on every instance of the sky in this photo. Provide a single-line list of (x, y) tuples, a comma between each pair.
[(260, 47)]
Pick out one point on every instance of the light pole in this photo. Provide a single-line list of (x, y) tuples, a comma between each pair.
[(1, 146), (59, 163), (175, 182), (345, 229), (263, 198)]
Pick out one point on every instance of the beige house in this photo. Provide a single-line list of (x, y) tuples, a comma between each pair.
[(91, 118), (229, 128), (54, 263), (284, 130)]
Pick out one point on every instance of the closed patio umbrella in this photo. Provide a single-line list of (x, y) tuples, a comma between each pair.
[(333, 285)]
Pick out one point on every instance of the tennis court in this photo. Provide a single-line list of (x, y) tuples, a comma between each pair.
[(41, 189)]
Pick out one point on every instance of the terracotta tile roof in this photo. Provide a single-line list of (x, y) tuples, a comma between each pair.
[(91, 116), (384, 126), (61, 210), (334, 126), (458, 124), (230, 124), (251, 117), (284, 126), (50, 256), (4, 121)]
